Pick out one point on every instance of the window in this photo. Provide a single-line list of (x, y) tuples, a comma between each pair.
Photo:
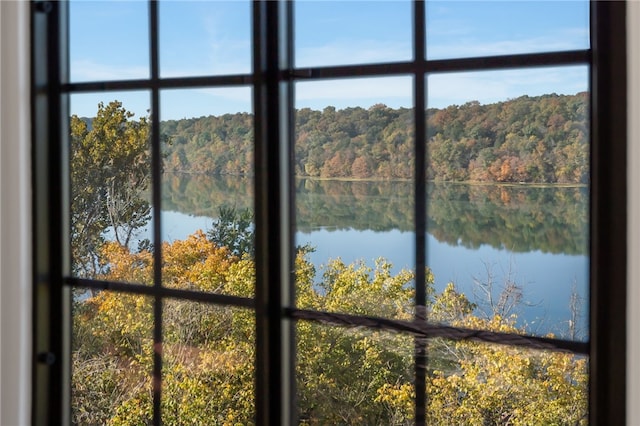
[(146, 301)]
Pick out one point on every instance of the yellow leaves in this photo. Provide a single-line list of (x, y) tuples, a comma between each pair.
[(216, 390), (345, 376), (359, 289), (123, 323), (500, 382), (228, 362), (241, 278), (196, 263), (399, 401), (495, 323), (397, 394), (450, 306), (126, 266)]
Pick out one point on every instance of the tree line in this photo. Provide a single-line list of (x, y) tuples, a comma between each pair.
[(542, 139)]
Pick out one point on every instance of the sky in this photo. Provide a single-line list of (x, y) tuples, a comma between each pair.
[(109, 41)]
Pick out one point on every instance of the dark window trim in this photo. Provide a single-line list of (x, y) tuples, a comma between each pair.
[(273, 80), (608, 268), (48, 378)]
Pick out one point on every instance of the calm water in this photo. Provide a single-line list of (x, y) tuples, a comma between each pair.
[(536, 237)]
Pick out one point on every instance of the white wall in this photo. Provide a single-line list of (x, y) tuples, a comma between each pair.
[(15, 212), (15, 237)]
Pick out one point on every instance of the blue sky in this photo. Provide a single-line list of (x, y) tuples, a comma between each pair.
[(109, 40)]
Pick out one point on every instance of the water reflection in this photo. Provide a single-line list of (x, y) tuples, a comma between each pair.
[(534, 236), (518, 218)]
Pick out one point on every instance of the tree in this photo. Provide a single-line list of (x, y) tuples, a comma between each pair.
[(344, 375), (502, 385), (234, 229), (110, 175)]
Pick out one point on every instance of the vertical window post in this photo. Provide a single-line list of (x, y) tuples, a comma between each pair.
[(420, 213), (51, 372), (608, 214), (274, 247)]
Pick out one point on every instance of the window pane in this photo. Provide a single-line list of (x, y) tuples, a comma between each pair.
[(112, 359), (204, 38), (110, 174), (457, 29), (509, 202), (108, 40), (353, 376), (342, 33), (477, 383), (207, 207), (208, 364), (354, 196)]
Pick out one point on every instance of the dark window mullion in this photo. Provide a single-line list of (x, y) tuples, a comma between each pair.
[(420, 206), (164, 292), (608, 233), (274, 337), (289, 326), (49, 384), (156, 188), (164, 83), (428, 331), (505, 62), (481, 63)]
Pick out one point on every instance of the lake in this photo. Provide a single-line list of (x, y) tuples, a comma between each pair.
[(536, 237)]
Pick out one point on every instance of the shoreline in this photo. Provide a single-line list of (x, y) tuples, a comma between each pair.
[(373, 179)]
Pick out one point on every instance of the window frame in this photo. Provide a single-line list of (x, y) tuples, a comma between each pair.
[(273, 79)]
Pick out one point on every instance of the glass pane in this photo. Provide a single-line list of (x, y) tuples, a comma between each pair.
[(112, 359), (204, 38), (508, 213), (208, 364), (108, 40), (207, 198), (110, 173), (354, 196), (457, 29), (352, 32), (477, 383), (353, 376)]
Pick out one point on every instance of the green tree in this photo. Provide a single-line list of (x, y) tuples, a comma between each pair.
[(110, 175), (234, 229)]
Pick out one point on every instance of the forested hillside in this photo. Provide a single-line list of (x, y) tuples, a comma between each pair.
[(540, 139)]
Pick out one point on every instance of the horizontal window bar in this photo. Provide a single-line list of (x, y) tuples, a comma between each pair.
[(197, 296), (161, 83), (574, 57), (429, 331), (444, 65), (547, 59), (417, 328)]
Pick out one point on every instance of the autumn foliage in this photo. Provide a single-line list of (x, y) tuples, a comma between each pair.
[(542, 139), (344, 375)]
